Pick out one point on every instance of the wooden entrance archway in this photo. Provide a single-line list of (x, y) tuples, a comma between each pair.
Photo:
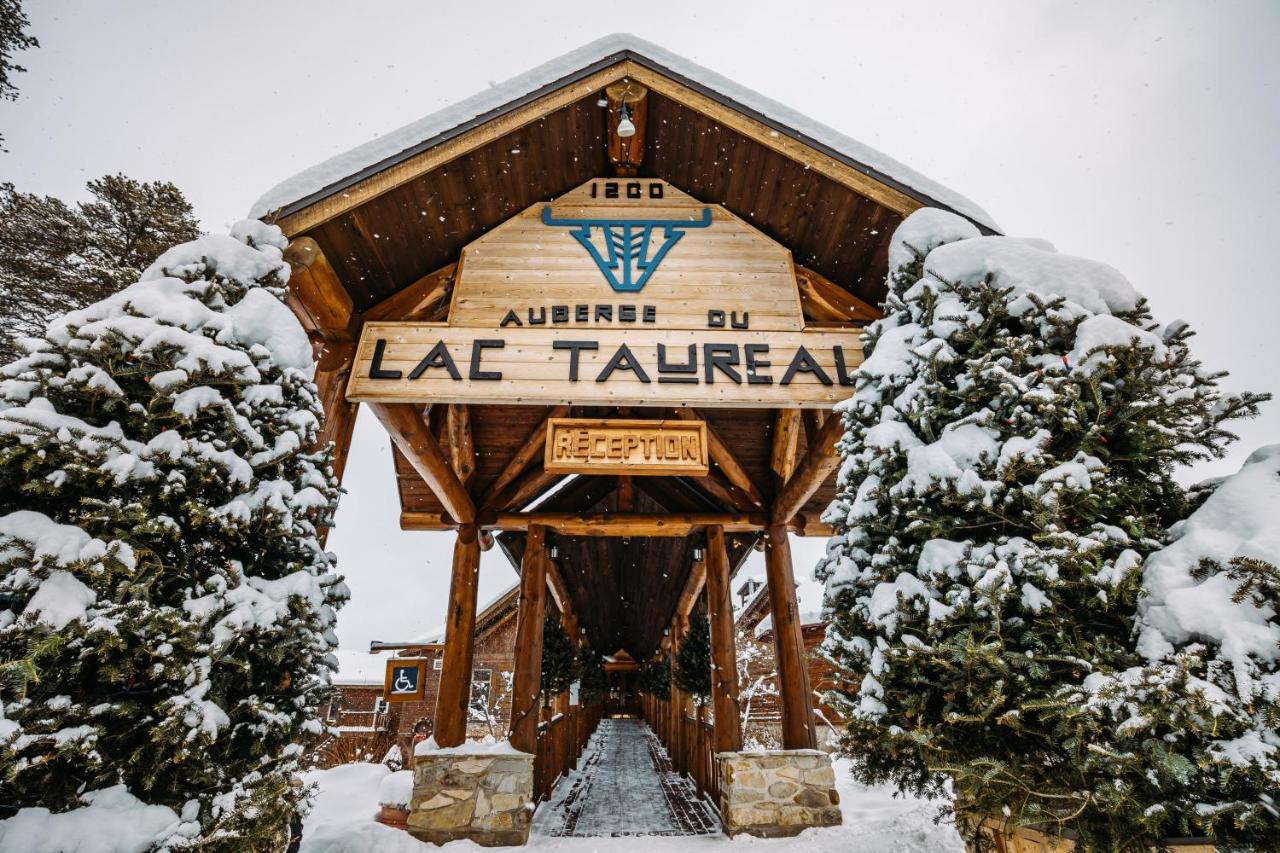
[(530, 264)]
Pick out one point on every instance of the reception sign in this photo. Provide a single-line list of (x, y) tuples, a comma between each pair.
[(617, 446)]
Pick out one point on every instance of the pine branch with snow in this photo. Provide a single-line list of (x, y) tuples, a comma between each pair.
[(1008, 465), (1194, 727), (161, 572)]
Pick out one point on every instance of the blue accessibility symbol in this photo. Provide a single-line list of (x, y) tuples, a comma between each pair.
[(628, 259)]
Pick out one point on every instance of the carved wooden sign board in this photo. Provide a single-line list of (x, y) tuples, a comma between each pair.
[(620, 292), (615, 446)]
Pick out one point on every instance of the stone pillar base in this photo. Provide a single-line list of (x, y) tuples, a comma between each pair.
[(484, 796), (777, 793)]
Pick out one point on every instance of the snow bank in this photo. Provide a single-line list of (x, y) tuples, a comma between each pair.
[(876, 820), (391, 145), (471, 747), (112, 821), (345, 794)]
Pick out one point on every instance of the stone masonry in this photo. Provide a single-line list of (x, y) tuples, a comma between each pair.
[(487, 797), (777, 793)]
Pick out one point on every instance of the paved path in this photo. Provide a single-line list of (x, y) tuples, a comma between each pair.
[(624, 786)]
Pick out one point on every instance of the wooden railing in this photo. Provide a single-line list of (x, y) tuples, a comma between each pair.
[(689, 741), (560, 741)]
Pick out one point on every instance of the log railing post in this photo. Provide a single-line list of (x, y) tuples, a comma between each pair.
[(527, 681), (788, 644), (724, 659), (459, 641)]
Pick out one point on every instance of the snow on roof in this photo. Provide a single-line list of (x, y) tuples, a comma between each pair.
[(357, 667), (436, 635), (388, 147), (808, 602)]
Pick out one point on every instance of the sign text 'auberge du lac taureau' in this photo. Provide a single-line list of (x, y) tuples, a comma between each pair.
[(621, 292)]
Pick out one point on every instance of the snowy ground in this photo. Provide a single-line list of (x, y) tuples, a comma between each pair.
[(874, 822)]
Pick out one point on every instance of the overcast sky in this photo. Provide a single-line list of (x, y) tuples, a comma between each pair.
[(1146, 135)]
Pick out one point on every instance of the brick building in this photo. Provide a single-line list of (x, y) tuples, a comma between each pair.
[(757, 669), (365, 725)]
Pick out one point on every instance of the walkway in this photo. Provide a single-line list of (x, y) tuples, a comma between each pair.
[(624, 785)]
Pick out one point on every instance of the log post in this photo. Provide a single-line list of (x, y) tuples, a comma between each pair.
[(788, 644), (459, 641), (679, 625), (724, 663), (527, 682)]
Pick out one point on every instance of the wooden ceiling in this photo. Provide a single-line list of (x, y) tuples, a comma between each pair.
[(393, 240), (624, 589)]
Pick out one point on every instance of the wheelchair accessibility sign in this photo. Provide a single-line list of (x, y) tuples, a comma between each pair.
[(406, 679)]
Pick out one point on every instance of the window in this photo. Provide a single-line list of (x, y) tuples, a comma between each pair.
[(481, 684), (333, 710)]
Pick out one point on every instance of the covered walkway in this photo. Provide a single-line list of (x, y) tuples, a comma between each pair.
[(624, 785)]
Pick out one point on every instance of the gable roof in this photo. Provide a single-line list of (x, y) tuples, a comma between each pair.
[(344, 170), (489, 617)]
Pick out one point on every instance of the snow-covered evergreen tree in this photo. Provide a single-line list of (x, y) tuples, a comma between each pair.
[(1194, 729), (1007, 466), (166, 608), (693, 660), (559, 657), (593, 683), (655, 678)]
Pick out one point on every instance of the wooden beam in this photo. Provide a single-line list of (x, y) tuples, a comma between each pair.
[(786, 439), (729, 495), (527, 681), (692, 590), (533, 448), (419, 300), (459, 642), (624, 524), (724, 458), (404, 424), (788, 644), (823, 299), (801, 525), (462, 452), (332, 370), (724, 664), (532, 483), (820, 460), (564, 601), (427, 521), (626, 153), (813, 421), (316, 294), (626, 494)]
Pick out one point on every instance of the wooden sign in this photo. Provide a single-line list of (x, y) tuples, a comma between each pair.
[(635, 447), (615, 253), (406, 680), (438, 363)]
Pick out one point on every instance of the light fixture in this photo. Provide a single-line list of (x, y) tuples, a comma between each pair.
[(603, 102), (697, 554), (625, 127), (555, 552)]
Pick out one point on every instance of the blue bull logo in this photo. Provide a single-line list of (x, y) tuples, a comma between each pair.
[(629, 258)]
